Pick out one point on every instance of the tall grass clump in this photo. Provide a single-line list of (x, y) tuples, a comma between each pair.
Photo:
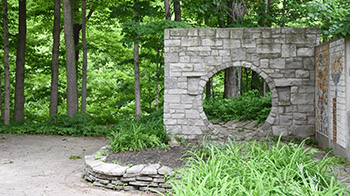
[(135, 135), (256, 169), (249, 106)]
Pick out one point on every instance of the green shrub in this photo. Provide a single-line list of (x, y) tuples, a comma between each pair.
[(79, 125), (256, 169), (249, 106), (134, 135)]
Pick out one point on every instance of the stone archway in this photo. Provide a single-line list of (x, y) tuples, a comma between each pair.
[(284, 57)]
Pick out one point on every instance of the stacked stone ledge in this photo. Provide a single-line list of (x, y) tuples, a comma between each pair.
[(151, 177)]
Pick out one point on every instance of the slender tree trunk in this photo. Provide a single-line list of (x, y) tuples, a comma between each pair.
[(84, 79), (76, 32), (247, 78), (167, 10), (265, 88), (6, 65), (72, 93), (1, 108), (255, 81), (239, 81), (177, 10), (20, 62), (55, 55), (230, 89), (159, 67), (207, 89), (137, 70), (137, 80)]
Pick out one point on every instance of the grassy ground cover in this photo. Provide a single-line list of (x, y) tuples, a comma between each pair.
[(249, 106), (256, 169)]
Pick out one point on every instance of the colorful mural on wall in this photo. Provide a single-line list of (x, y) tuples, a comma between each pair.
[(322, 56)]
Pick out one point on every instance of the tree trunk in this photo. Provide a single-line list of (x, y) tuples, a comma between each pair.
[(55, 55), (247, 78), (167, 10), (239, 81), (6, 117), (72, 93), (230, 89), (177, 10), (137, 80), (20, 62), (255, 81), (76, 32), (159, 67), (265, 88), (207, 89), (84, 70)]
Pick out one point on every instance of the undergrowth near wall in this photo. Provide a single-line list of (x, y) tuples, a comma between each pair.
[(256, 169), (135, 135), (250, 106)]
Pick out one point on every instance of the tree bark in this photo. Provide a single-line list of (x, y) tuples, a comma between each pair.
[(208, 89), (167, 10), (72, 93), (230, 84), (255, 81), (239, 81), (20, 62), (177, 10), (6, 116), (84, 69), (137, 80), (55, 55), (137, 71)]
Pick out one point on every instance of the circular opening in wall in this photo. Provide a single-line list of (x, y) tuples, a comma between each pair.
[(237, 101)]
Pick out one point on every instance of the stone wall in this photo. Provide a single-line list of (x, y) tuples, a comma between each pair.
[(128, 178), (284, 57), (333, 95)]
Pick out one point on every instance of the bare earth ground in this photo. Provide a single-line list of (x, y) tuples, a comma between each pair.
[(37, 165), (41, 165)]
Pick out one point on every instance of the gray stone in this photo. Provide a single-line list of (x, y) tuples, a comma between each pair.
[(150, 169), (165, 170), (135, 169), (118, 171)]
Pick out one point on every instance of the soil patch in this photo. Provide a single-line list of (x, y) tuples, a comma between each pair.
[(172, 157)]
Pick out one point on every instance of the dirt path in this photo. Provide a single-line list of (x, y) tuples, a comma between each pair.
[(40, 165)]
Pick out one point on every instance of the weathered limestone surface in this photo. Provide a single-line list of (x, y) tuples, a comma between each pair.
[(113, 176), (284, 57)]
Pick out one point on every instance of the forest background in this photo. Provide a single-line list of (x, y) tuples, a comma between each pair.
[(75, 63)]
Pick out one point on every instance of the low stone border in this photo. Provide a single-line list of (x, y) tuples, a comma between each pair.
[(113, 176)]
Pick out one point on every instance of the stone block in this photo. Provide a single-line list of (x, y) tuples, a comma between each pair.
[(269, 48), (302, 131), (231, 43), (306, 52), (278, 63), (302, 73), (238, 54), (165, 170), (192, 85), (118, 171), (207, 32), (208, 42), (171, 57), (192, 114), (288, 82), (248, 43), (190, 41), (150, 169), (286, 119), (223, 33), (171, 43), (289, 50), (192, 32), (178, 32), (136, 169), (236, 33)]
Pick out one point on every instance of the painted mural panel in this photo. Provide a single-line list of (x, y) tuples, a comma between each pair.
[(322, 62), (337, 92)]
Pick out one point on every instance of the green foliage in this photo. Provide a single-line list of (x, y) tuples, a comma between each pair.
[(333, 17), (256, 169), (79, 125), (134, 135), (249, 106)]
